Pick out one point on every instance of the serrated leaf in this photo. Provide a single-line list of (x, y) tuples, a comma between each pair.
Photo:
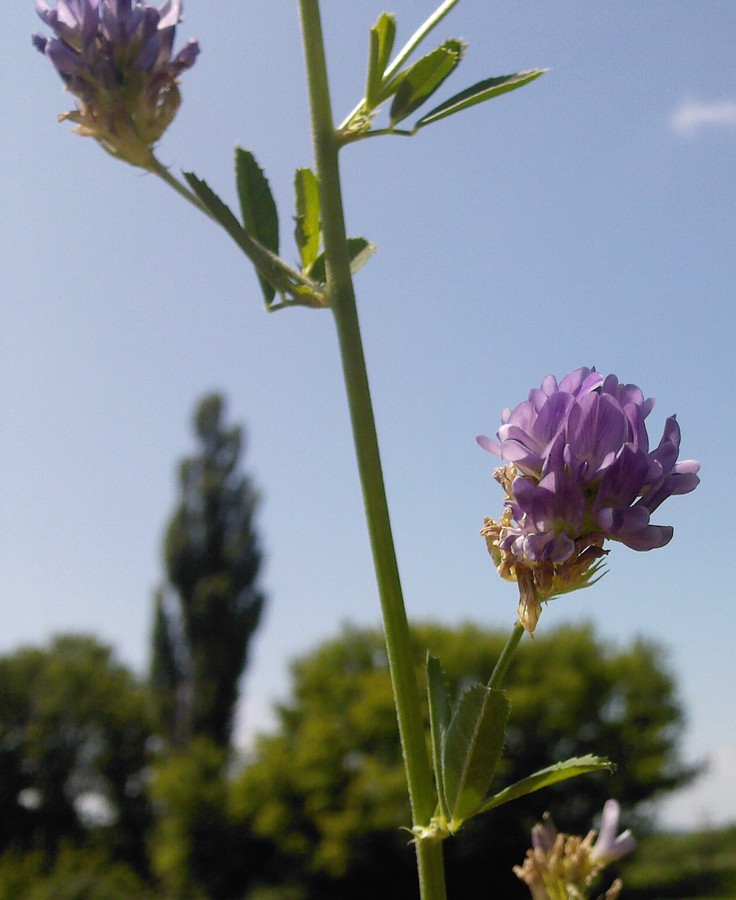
[(473, 745), (307, 227), (260, 219), (359, 250), (382, 39), (219, 210), (570, 768), (417, 83), (280, 277), (477, 93), (440, 715)]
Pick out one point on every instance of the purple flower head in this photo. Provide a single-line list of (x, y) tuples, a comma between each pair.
[(115, 56), (578, 471), (569, 865)]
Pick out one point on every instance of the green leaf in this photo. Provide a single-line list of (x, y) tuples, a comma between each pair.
[(473, 745), (417, 83), (217, 208), (570, 768), (271, 270), (477, 93), (359, 250), (307, 228), (260, 219), (382, 39), (439, 720)]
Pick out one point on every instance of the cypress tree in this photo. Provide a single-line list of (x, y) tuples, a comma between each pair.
[(208, 610)]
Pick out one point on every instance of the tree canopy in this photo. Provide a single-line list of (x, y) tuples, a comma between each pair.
[(74, 725)]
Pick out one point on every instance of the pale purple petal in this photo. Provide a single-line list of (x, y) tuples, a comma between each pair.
[(581, 381), (170, 13), (609, 847), (488, 445)]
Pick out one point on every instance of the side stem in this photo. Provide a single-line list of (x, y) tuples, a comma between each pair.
[(342, 297), (163, 173), (499, 671)]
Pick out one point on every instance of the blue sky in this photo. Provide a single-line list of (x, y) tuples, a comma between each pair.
[(587, 219)]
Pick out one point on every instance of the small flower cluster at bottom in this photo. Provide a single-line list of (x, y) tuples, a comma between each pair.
[(565, 867), (578, 471)]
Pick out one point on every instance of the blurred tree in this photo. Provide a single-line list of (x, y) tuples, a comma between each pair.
[(328, 789), (77, 873), (208, 611), (73, 730), (198, 851), (188, 790)]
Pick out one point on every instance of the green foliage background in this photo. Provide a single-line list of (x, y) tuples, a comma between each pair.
[(74, 722), (315, 812)]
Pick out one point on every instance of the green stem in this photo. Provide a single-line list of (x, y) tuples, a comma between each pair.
[(499, 672), (342, 298), (163, 173)]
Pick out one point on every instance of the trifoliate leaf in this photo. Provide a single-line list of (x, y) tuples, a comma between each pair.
[(272, 271)]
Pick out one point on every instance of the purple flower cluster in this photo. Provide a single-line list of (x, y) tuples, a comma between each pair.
[(115, 57), (563, 865), (578, 471)]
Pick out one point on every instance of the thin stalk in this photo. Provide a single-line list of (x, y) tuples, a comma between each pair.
[(499, 672), (157, 168), (342, 298)]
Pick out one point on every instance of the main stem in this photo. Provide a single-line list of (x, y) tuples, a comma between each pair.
[(342, 297)]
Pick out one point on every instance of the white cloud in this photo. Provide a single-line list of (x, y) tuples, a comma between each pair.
[(693, 115)]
